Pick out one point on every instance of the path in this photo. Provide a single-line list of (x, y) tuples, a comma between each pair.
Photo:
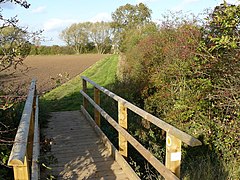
[(79, 151)]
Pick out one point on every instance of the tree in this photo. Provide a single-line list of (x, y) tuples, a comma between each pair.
[(80, 35), (129, 17), (14, 40), (100, 34), (14, 47), (222, 29), (75, 36), (221, 53)]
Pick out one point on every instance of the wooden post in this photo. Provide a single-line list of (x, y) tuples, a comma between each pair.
[(122, 120), (97, 101), (173, 154), (84, 84), (22, 171)]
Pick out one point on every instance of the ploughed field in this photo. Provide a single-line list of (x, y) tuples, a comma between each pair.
[(49, 71)]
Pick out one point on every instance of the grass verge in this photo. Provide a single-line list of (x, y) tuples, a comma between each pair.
[(67, 97)]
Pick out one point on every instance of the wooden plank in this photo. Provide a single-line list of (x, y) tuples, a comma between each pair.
[(173, 154), (166, 173), (122, 121), (31, 137), (36, 147), (97, 116), (86, 157), (117, 156), (186, 138), (20, 143)]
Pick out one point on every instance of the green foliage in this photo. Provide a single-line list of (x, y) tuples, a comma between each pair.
[(14, 46), (188, 75), (51, 50), (131, 16), (128, 18), (75, 36), (133, 36), (220, 49), (9, 121), (222, 29)]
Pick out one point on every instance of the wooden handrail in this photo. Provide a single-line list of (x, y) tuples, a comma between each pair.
[(186, 138), (141, 149), (25, 149), (174, 136)]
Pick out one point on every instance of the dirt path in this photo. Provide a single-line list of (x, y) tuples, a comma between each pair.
[(48, 70)]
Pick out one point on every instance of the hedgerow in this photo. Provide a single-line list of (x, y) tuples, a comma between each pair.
[(188, 75)]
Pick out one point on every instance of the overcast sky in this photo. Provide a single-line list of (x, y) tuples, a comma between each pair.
[(53, 16)]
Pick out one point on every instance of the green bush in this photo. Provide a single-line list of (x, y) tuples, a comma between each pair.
[(188, 75)]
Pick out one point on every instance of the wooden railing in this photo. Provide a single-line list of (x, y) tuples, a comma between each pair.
[(174, 136), (25, 150)]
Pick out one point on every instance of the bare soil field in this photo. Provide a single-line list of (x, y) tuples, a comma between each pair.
[(49, 71)]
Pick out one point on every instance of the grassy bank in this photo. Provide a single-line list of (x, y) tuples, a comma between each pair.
[(67, 96)]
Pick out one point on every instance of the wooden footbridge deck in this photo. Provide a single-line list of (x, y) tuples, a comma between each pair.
[(82, 150), (79, 151)]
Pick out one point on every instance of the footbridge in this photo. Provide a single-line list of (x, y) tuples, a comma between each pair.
[(81, 148)]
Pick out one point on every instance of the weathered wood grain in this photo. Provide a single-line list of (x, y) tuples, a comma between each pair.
[(79, 151)]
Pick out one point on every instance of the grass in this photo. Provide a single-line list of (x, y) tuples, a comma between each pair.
[(67, 97)]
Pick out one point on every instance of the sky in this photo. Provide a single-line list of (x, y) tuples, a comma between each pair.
[(53, 16)]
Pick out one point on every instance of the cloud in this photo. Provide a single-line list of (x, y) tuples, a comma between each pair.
[(101, 17), (39, 9), (236, 2), (56, 24)]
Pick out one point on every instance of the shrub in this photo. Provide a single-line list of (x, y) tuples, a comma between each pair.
[(188, 75)]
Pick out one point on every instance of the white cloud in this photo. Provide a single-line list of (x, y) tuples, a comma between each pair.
[(232, 2), (39, 9), (56, 24), (101, 17)]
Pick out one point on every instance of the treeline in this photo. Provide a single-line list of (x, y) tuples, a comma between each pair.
[(57, 50), (106, 37), (64, 50)]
